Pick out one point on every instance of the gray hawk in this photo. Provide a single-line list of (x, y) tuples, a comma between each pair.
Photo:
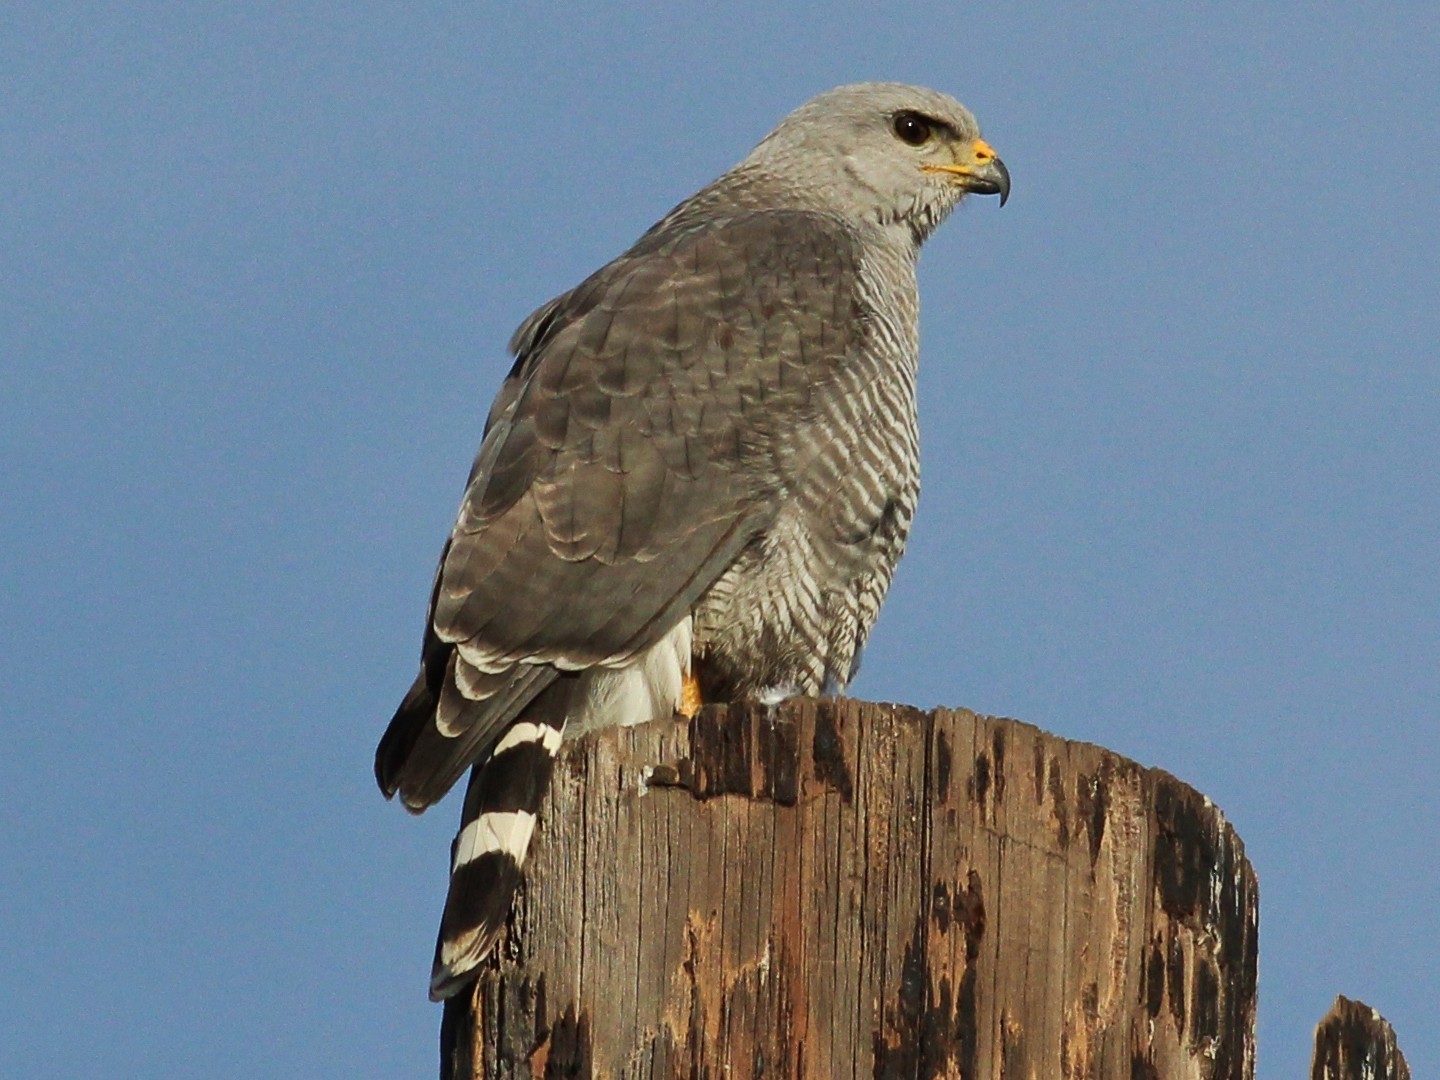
[(696, 480)]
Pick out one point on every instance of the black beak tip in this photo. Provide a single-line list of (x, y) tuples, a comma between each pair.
[(993, 180), (1002, 181)]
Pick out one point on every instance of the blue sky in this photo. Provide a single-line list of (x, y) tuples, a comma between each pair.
[(1181, 452)]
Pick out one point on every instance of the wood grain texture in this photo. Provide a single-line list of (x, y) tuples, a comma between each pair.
[(843, 889), (1354, 1042)]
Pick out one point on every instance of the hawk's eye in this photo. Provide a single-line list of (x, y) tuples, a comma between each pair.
[(912, 128)]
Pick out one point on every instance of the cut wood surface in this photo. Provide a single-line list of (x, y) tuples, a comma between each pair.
[(842, 889), (1354, 1042)]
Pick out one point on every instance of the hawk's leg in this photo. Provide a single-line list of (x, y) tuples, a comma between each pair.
[(690, 697)]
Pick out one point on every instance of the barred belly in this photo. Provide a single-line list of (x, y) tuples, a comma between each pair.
[(791, 615)]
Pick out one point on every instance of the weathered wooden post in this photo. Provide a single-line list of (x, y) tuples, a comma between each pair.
[(842, 889), (1354, 1042)]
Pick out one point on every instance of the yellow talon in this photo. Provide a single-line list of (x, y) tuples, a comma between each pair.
[(690, 699)]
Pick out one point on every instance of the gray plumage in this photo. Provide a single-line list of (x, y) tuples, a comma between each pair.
[(703, 462)]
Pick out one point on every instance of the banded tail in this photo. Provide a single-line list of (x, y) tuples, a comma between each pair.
[(504, 797), (438, 731)]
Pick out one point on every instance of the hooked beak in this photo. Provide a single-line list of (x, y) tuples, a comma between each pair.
[(979, 171)]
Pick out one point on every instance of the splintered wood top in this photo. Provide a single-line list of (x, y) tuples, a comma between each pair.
[(837, 888)]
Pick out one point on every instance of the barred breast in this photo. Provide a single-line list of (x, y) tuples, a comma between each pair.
[(793, 612)]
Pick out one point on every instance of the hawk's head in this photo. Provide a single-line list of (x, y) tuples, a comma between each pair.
[(885, 152)]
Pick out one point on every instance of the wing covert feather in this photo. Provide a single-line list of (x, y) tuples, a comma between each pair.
[(633, 451)]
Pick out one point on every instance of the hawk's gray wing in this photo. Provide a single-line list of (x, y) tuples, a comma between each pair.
[(633, 452)]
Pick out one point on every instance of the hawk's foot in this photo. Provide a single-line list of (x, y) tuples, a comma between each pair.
[(690, 699)]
